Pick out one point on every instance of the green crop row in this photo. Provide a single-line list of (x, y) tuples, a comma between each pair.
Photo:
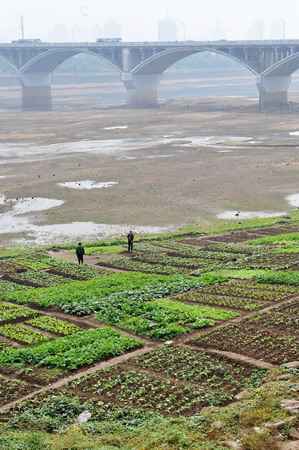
[(72, 351), (189, 251), (41, 261), (262, 286), (210, 371), (59, 326), (245, 291), (22, 334), (221, 300), (247, 339), (158, 258), (9, 286), (274, 319), (40, 278), (9, 311), (133, 388), (159, 319), (277, 239), (289, 278), (138, 266), (270, 261)]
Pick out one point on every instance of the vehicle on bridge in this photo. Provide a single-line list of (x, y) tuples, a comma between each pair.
[(26, 41), (109, 39)]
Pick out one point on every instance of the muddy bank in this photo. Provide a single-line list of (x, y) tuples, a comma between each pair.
[(167, 167)]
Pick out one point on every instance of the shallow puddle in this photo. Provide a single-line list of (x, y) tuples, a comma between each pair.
[(293, 200), (17, 220), (87, 184), (81, 231), (242, 215), (124, 158), (18, 153), (119, 127), (213, 141), (157, 156)]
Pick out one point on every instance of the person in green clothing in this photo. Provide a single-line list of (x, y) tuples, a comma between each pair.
[(80, 252)]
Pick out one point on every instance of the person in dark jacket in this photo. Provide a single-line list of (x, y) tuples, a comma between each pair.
[(80, 252), (130, 238)]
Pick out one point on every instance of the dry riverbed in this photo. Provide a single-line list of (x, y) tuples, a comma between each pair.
[(178, 164)]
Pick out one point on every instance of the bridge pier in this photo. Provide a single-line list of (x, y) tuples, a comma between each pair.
[(142, 90), (273, 91), (36, 90)]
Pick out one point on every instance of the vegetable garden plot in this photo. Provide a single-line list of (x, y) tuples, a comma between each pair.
[(222, 300), (271, 261), (184, 381), (174, 248), (279, 239), (148, 392), (290, 290), (9, 286), (54, 325), (43, 261), (71, 352), (191, 263), (238, 236), (273, 231), (23, 334), (148, 247), (9, 311), (160, 319), (246, 339), (243, 291), (39, 279), (280, 321), (8, 267), (138, 266), (86, 297), (289, 308), (12, 389), (208, 371)]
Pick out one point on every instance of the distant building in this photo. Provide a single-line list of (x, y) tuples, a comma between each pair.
[(58, 34), (278, 29), (257, 30), (167, 30), (218, 33), (111, 29)]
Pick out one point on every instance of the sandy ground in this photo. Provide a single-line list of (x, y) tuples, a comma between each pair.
[(175, 165)]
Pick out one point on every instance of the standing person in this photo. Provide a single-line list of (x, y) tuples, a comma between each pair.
[(130, 238), (80, 252)]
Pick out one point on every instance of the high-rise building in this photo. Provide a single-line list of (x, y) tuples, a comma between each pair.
[(111, 29), (168, 30)]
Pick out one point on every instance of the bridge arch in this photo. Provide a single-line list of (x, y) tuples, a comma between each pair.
[(9, 63), (143, 80), (36, 75), (285, 67), (273, 83), (161, 61), (49, 60)]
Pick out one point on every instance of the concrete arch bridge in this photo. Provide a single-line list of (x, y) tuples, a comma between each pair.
[(141, 65)]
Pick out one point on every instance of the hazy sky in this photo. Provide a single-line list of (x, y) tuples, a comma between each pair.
[(198, 19)]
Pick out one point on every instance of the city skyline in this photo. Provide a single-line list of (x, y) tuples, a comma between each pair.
[(196, 20)]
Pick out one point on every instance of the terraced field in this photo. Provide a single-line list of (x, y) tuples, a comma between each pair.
[(190, 325)]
